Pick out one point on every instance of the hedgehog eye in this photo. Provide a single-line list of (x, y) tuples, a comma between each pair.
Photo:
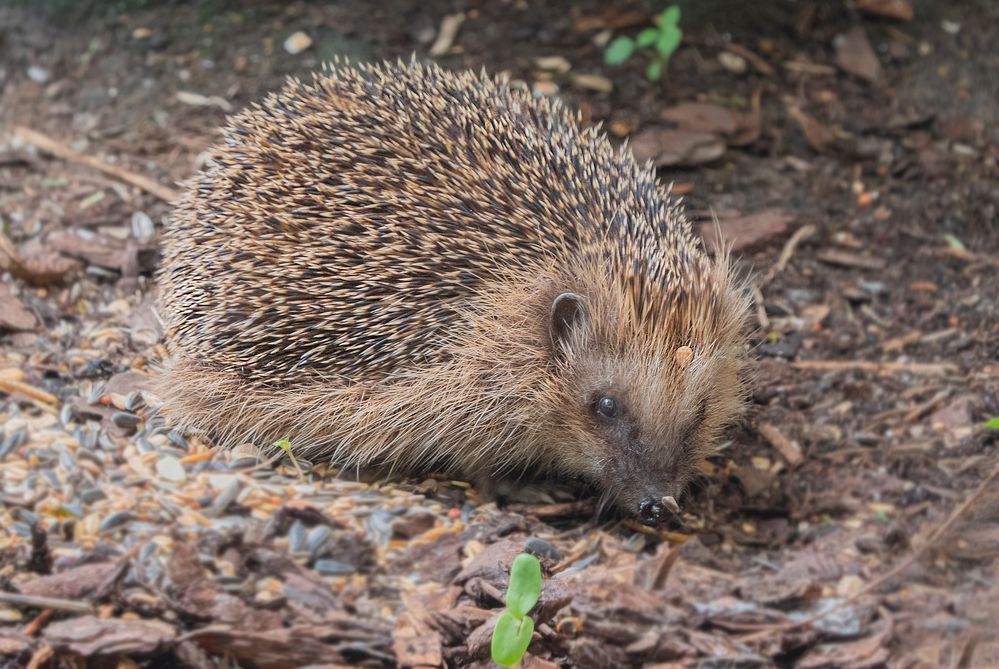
[(607, 407)]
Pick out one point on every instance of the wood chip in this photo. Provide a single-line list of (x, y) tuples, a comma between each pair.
[(847, 259), (744, 232), (676, 147), (89, 635), (446, 34), (900, 10), (737, 127), (762, 66), (819, 136), (198, 100), (593, 82), (855, 55), (788, 448), (13, 314)]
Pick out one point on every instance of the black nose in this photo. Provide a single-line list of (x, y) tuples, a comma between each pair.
[(651, 511)]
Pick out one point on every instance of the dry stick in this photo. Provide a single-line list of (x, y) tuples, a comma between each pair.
[(31, 601), (60, 150), (931, 539), (800, 235), (41, 656), (37, 394), (919, 368), (761, 309)]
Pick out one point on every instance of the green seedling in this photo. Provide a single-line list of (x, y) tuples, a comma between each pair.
[(659, 42), (992, 424), (285, 445), (955, 243), (513, 631)]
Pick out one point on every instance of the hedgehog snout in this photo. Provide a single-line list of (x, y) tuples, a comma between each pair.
[(653, 510)]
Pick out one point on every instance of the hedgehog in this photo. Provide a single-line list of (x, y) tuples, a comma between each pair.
[(398, 265)]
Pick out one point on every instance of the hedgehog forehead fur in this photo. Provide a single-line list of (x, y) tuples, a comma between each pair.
[(375, 221)]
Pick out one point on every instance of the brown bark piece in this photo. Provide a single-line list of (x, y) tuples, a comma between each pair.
[(676, 147), (743, 232), (13, 314), (90, 635), (855, 55)]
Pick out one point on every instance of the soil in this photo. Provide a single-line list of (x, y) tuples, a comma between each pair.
[(862, 188)]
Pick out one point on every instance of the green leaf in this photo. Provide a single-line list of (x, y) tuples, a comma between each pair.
[(955, 243), (992, 424), (525, 585), (619, 50), (654, 70), (511, 637), (647, 37), (669, 40), (670, 16)]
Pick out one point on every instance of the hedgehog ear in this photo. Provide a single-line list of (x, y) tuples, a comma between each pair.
[(567, 313)]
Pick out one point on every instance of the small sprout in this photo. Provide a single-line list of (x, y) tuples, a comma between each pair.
[(992, 424), (511, 637), (525, 585), (514, 628), (955, 243), (619, 50), (285, 445), (660, 42), (654, 70)]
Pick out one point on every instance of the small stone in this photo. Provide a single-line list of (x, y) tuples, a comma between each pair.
[(125, 420), (170, 469), (91, 495), (849, 585), (38, 74), (544, 89), (542, 548), (868, 543), (553, 64), (115, 520), (296, 538), (593, 82), (142, 226), (316, 542), (333, 568), (732, 62), (412, 524), (10, 616), (297, 43)]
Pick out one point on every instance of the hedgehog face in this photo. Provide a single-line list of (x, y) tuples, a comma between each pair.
[(638, 422)]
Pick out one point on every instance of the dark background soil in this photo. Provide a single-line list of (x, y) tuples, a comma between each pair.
[(877, 346)]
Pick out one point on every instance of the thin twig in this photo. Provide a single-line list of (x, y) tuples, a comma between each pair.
[(37, 394), (800, 235), (919, 368), (60, 150), (761, 309), (31, 601)]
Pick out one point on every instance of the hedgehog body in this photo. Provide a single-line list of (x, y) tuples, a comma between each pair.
[(401, 266)]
